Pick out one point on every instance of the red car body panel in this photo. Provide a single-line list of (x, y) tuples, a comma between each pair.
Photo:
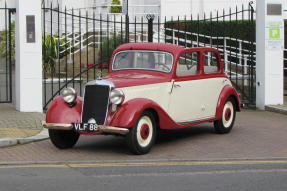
[(129, 78), (136, 107), (226, 92), (60, 112)]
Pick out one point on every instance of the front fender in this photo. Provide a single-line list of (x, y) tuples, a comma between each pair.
[(226, 92), (60, 112), (128, 114)]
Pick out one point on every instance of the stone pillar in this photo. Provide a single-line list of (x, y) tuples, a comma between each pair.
[(28, 72), (269, 53)]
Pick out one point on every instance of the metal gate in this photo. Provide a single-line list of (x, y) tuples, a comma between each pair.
[(232, 32), (7, 53), (77, 44)]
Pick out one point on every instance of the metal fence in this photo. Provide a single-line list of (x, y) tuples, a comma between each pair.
[(7, 53), (77, 46)]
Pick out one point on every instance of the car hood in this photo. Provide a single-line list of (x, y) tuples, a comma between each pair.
[(135, 79)]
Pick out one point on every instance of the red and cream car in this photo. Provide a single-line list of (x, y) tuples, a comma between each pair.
[(150, 86)]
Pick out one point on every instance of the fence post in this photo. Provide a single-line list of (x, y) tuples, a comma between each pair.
[(28, 72), (269, 53), (240, 53), (225, 55), (127, 29), (245, 69), (150, 19)]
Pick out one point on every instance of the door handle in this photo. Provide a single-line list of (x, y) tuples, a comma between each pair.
[(176, 86)]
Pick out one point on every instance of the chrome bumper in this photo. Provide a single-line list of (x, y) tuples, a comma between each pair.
[(102, 128)]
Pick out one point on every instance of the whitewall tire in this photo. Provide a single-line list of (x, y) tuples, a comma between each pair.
[(142, 136), (225, 124)]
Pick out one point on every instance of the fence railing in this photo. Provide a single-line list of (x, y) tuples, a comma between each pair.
[(84, 44), (228, 53)]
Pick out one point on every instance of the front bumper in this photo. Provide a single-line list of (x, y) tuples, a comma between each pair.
[(102, 128)]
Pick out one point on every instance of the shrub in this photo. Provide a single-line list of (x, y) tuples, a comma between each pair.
[(52, 48), (116, 9)]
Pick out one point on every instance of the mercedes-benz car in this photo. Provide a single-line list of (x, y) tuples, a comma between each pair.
[(149, 87)]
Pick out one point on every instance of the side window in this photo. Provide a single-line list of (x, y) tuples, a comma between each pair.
[(210, 63), (188, 64)]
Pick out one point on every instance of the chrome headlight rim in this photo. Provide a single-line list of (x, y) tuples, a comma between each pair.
[(117, 96), (69, 95)]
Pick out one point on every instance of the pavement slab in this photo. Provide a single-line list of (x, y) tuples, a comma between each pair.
[(19, 127)]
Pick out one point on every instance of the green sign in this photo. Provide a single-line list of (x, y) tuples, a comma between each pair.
[(274, 33)]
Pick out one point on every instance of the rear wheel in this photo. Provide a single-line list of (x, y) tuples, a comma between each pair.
[(142, 136), (63, 139), (225, 124)]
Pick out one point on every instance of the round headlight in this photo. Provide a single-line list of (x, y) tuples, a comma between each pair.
[(117, 96), (69, 95)]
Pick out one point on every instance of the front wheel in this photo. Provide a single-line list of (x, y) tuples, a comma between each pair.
[(142, 136), (63, 139), (225, 124)]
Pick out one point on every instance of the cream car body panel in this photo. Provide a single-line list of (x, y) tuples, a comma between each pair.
[(199, 99), (159, 93)]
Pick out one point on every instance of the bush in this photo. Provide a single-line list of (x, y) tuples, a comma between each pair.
[(51, 47), (108, 46)]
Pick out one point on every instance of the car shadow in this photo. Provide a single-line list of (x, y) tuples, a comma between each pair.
[(168, 136), (102, 144), (117, 144)]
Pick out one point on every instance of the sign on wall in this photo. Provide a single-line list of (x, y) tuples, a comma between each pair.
[(274, 27), (30, 29)]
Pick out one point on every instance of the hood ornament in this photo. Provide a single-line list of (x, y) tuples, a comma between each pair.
[(92, 120)]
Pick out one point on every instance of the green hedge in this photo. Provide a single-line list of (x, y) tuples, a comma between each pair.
[(241, 29)]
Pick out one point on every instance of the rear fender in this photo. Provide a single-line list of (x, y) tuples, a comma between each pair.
[(227, 91), (60, 112), (128, 114)]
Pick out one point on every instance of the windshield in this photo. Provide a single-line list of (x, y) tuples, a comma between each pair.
[(143, 60)]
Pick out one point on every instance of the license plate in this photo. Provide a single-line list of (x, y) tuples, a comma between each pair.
[(86, 127)]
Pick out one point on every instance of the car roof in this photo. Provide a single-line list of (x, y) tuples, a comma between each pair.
[(174, 49), (171, 48)]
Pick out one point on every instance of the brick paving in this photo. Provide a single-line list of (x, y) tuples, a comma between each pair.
[(256, 134), (18, 124)]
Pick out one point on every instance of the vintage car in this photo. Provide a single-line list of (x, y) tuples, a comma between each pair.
[(149, 87)]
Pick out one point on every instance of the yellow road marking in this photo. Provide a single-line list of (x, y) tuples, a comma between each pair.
[(160, 163)]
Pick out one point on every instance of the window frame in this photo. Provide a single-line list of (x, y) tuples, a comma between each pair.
[(144, 69), (218, 62), (198, 66)]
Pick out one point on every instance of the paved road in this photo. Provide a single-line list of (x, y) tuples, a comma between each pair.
[(256, 134), (160, 176)]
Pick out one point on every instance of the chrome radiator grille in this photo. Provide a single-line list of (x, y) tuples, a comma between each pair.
[(96, 103)]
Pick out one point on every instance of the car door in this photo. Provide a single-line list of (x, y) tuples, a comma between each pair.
[(186, 96), (212, 82)]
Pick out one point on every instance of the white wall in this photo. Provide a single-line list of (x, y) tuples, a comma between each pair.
[(176, 8)]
